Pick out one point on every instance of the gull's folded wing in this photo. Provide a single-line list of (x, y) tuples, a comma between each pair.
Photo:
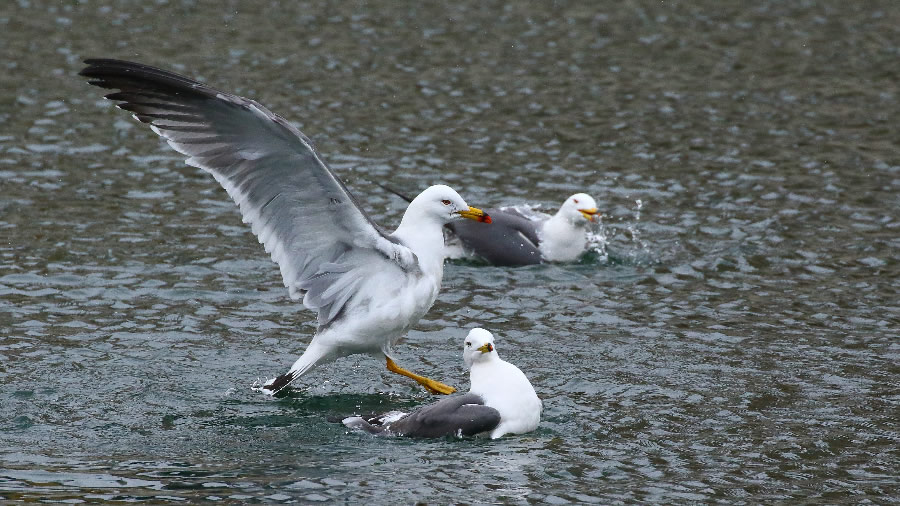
[(463, 415), (511, 239)]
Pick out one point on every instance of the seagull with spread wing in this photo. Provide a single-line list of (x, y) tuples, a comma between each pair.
[(369, 287)]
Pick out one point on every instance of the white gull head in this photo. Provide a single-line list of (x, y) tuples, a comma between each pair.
[(422, 227), (564, 236), (439, 204), (579, 209), (479, 347)]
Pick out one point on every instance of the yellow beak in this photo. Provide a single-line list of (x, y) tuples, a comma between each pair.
[(486, 348), (590, 214), (475, 214)]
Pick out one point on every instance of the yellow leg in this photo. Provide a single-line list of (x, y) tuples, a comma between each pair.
[(435, 387)]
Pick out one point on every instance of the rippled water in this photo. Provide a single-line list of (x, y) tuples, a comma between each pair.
[(734, 340)]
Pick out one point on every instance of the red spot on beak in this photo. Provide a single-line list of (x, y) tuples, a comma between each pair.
[(486, 218)]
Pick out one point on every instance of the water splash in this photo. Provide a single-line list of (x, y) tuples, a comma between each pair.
[(598, 240), (642, 249)]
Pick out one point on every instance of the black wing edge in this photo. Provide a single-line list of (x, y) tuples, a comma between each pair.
[(131, 76), (393, 190)]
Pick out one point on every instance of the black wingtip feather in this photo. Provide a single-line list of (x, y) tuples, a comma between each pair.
[(127, 75), (279, 386), (394, 191)]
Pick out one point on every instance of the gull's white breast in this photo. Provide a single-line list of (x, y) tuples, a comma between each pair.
[(385, 306), (561, 241), (506, 388)]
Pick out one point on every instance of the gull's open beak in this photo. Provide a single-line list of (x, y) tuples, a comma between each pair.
[(486, 348), (475, 214), (590, 214)]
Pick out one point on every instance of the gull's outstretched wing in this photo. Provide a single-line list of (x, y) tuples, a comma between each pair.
[(298, 208), (463, 415)]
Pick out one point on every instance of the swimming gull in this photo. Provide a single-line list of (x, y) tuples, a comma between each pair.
[(501, 401), (368, 286), (519, 236)]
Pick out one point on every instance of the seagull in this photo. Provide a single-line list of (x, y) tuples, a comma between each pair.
[(501, 401), (522, 237), (369, 287)]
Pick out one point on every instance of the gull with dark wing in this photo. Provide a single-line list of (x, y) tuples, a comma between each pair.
[(523, 237), (520, 236), (500, 401), (369, 287)]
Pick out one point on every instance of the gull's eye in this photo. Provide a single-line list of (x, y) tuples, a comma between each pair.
[(468, 344), (575, 200), (445, 202)]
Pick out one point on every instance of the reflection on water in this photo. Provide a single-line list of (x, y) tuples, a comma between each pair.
[(732, 337)]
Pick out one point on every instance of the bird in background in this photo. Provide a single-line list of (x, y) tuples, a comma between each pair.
[(368, 286), (520, 236)]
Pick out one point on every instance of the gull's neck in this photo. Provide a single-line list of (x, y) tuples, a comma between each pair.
[(503, 387), (482, 369), (425, 238)]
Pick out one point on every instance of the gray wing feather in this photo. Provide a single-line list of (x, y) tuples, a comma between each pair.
[(298, 208), (511, 239), (464, 415), (525, 224)]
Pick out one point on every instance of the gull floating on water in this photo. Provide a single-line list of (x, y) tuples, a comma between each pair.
[(368, 286), (523, 237), (501, 401)]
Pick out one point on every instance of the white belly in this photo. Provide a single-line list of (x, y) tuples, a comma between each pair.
[(381, 313), (561, 242)]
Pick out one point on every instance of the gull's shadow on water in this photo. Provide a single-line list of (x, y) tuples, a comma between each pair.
[(298, 407), (346, 404)]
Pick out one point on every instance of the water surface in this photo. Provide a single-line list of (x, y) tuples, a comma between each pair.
[(734, 339)]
